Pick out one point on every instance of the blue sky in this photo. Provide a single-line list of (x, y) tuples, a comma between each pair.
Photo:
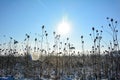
[(18, 17)]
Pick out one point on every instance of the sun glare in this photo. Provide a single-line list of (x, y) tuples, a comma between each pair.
[(63, 27)]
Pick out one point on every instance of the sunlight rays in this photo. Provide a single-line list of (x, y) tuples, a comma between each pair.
[(64, 27)]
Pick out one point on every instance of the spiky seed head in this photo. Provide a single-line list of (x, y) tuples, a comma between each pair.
[(65, 43), (11, 38), (43, 27), (82, 42), (46, 34), (111, 19), (54, 32), (60, 42), (97, 31), (110, 43), (81, 37), (96, 37), (64, 49), (107, 18), (59, 48), (28, 36), (108, 47), (15, 42), (67, 38), (94, 40), (25, 39), (109, 25), (95, 48), (54, 46), (112, 48), (93, 28), (115, 21), (116, 30), (90, 34), (35, 39)]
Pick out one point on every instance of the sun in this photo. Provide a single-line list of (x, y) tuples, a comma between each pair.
[(63, 27)]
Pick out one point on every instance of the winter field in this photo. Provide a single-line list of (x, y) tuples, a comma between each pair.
[(22, 61), (59, 39)]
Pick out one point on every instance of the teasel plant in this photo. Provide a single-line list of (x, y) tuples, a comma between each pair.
[(99, 59), (47, 44), (57, 53), (27, 52), (42, 50), (113, 48), (65, 53), (10, 47), (42, 37), (115, 45), (83, 56), (93, 51), (82, 42), (37, 42), (70, 57), (35, 47), (27, 44), (54, 43), (96, 39), (15, 48), (114, 31), (47, 51), (94, 48), (68, 54)]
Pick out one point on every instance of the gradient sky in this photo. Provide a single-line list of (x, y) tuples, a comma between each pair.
[(18, 17)]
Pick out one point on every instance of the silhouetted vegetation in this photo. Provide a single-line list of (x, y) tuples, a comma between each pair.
[(62, 59)]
